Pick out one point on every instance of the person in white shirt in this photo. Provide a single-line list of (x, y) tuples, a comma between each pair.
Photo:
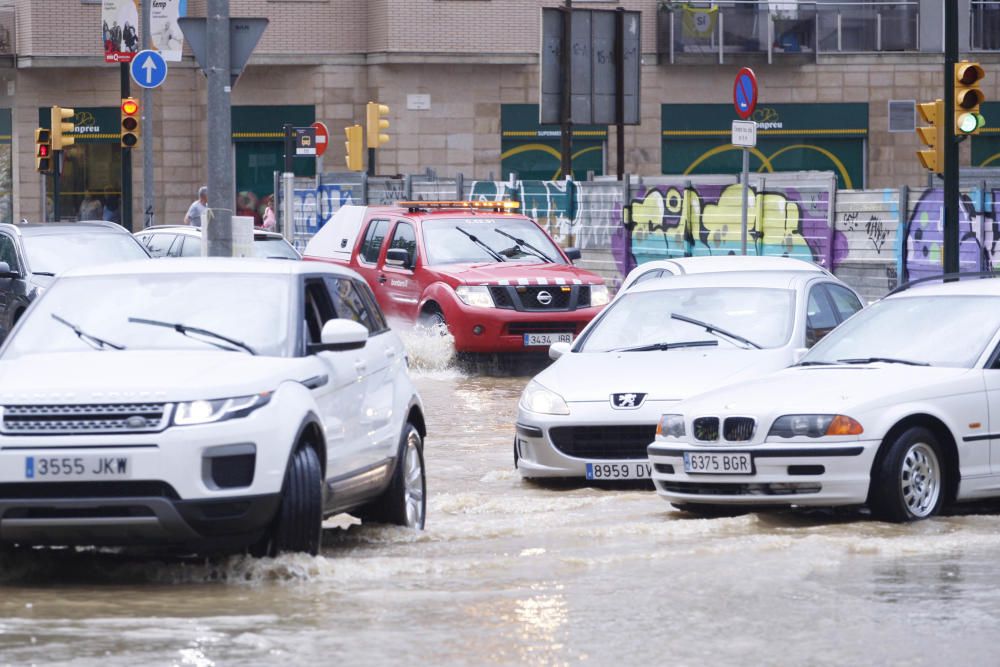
[(198, 206)]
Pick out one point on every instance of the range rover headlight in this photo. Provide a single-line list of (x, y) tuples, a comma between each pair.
[(814, 426), (671, 426), (598, 295), (475, 295), (208, 411), (537, 398)]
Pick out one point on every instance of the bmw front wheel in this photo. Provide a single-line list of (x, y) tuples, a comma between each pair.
[(908, 484)]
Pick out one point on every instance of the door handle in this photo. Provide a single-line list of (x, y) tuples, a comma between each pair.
[(360, 366), (382, 279), (390, 353)]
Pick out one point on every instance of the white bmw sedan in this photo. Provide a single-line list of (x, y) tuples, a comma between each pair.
[(592, 413), (897, 409)]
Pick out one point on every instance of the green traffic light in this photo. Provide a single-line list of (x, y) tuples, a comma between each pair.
[(980, 121), (968, 122)]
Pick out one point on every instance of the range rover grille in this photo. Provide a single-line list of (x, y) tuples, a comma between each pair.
[(80, 419)]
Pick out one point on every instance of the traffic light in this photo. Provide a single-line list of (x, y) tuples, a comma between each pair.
[(376, 124), (355, 148), (43, 150), (933, 136), (968, 97), (130, 122), (60, 123)]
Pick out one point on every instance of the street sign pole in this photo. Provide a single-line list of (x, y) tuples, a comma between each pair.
[(745, 135), (566, 116), (746, 197), (147, 124), (951, 192), (221, 192), (126, 203)]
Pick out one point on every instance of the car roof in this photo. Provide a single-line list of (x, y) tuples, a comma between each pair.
[(215, 265), (980, 287), (41, 228), (196, 231), (706, 263), (773, 279)]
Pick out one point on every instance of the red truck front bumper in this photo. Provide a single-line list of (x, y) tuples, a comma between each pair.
[(503, 330)]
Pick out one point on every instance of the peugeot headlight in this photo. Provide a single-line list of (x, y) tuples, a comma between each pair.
[(475, 295), (671, 426), (209, 411), (814, 426), (598, 295), (537, 398)]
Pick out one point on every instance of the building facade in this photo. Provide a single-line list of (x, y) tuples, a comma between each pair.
[(838, 83)]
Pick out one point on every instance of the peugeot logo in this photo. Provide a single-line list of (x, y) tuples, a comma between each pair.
[(544, 298), (627, 400)]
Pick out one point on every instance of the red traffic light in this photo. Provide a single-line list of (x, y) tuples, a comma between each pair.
[(43, 150), (130, 107)]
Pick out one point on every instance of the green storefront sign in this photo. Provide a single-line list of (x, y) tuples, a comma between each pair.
[(986, 145), (790, 137), (91, 125), (532, 150)]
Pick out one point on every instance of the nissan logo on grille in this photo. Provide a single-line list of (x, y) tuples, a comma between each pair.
[(627, 400), (544, 298)]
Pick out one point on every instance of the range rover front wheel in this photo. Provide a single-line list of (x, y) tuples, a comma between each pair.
[(299, 524)]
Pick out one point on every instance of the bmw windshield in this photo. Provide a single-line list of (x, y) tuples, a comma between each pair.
[(924, 330), (662, 319), (478, 240), (106, 313)]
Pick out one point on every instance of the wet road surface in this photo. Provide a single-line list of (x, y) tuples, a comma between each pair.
[(509, 572)]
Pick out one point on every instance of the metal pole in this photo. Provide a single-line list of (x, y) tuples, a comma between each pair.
[(45, 209), (620, 88), (566, 143), (743, 209), (951, 234), (289, 147), (126, 205), (221, 191), (56, 174), (288, 206), (371, 162), (147, 123)]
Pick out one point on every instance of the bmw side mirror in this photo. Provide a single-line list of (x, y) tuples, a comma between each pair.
[(5, 271), (398, 257), (557, 350), (573, 254), (339, 335)]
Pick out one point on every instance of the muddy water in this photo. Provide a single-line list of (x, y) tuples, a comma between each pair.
[(512, 573)]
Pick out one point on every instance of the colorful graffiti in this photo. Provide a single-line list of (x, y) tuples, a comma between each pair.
[(978, 230), (671, 221)]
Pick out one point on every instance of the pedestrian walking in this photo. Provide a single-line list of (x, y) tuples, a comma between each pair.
[(91, 207), (270, 222), (198, 206)]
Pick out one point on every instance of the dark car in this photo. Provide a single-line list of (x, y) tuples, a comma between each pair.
[(31, 255)]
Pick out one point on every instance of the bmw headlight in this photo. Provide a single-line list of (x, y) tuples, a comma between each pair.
[(537, 398), (475, 295), (814, 426), (671, 426), (598, 295), (209, 411)]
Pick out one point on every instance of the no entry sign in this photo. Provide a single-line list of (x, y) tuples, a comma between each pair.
[(745, 93)]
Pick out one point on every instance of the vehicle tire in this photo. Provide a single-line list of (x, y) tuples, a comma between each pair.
[(433, 318), (908, 483), (299, 523), (710, 511), (404, 503)]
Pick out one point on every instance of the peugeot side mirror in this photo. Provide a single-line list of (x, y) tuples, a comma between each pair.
[(5, 271), (573, 254), (398, 257), (557, 350), (339, 335)]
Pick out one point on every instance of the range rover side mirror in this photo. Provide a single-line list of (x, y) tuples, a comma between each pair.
[(398, 257), (339, 335), (557, 350), (5, 271), (573, 254)]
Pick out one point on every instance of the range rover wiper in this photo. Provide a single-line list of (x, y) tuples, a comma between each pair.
[(667, 346), (479, 242), (711, 328), (187, 331), (89, 339), (521, 243)]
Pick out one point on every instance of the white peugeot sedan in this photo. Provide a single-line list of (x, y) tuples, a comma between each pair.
[(592, 413), (681, 266), (897, 409), (207, 404)]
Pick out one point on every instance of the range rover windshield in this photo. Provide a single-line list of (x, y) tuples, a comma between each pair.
[(479, 240)]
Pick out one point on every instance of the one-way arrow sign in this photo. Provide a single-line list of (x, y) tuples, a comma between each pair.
[(243, 37), (148, 69)]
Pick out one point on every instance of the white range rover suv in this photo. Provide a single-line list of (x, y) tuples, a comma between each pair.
[(205, 404)]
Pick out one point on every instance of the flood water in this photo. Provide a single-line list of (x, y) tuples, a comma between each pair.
[(508, 572)]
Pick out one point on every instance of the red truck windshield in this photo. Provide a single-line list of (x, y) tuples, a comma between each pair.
[(474, 240)]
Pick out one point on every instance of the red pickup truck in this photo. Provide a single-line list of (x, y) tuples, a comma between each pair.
[(492, 275)]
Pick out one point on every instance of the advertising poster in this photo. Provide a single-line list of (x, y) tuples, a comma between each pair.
[(166, 35), (120, 30)]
